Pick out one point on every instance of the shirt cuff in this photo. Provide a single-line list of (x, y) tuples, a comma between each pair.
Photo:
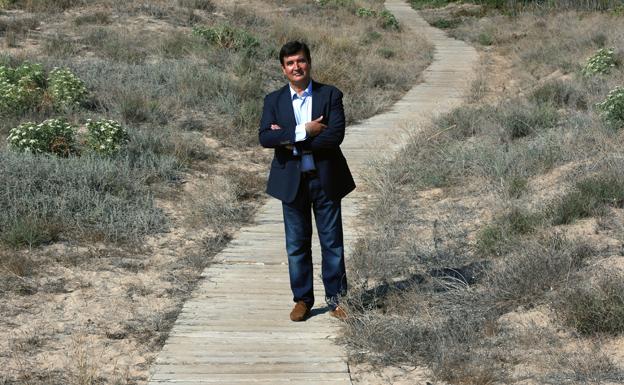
[(300, 133)]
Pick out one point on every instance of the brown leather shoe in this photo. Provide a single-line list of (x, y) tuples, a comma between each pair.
[(300, 312), (339, 313)]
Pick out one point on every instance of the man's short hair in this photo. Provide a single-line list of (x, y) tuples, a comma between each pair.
[(291, 48)]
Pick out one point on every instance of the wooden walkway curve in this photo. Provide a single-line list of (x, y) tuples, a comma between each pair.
[(235, 329)]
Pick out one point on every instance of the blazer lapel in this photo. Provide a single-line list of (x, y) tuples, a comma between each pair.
[(317, 103), (286, 108)]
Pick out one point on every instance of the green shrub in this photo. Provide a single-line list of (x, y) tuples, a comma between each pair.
[(489, 239), (105, 136), (421, 4), (365, 12), (370, 36), (59, 46), (227, 36), (52, 6), (559, 93), (485, 38), (612, 108), (598, 308), (337, 3), (386, 53), (516, 185), (446, 23), (52, 136), (387, 20), (98, 17), (590, 197), (21, 88), (30, 231), (204, 5), (534, 268), (519, 120), (464, 122), (65, 88), (600, 63), (505, 231)]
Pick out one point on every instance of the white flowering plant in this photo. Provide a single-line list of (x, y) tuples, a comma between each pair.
[(105, 136), (600, 63), (21, 88), (612, 108), (51, 136), (65, 88)]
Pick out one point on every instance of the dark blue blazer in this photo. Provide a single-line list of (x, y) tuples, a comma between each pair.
[(331, 165)]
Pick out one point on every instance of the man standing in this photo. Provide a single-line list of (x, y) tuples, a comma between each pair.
[(304, 122)]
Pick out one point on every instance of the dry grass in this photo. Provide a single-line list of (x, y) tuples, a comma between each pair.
[(108, 249), (477, 259)]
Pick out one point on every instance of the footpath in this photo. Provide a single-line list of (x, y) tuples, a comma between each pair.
[(235, 329)]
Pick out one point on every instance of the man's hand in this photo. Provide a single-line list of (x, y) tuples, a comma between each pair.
[(315, 127), (276, 127)]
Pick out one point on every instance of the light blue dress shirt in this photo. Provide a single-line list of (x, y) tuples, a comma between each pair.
[(302, 107)]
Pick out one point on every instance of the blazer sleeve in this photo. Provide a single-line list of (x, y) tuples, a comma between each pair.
[(333, 135), (273, 138)]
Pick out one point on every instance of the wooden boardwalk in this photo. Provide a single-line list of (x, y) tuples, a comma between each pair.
[(235, 329)]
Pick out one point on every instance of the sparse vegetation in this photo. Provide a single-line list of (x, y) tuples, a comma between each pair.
[(177, 114), (590, 197), (226, 36), (475, 262), (504, 232), (86, 197), (598, 307)]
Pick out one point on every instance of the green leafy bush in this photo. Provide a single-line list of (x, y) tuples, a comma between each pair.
[(65, 88), (21, 88), (612, 108), (52, 136), (600, 63), (388, 21), (227, 36), (365, 12), (105, 136)]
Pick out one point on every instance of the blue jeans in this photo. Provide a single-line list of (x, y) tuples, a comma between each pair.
[(298, 229)]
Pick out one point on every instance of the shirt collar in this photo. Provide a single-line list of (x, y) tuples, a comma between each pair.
[(306, 92)]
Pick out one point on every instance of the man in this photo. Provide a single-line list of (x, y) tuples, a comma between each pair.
[(304, 122)]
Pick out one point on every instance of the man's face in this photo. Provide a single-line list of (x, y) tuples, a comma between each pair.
[(297, 69)]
